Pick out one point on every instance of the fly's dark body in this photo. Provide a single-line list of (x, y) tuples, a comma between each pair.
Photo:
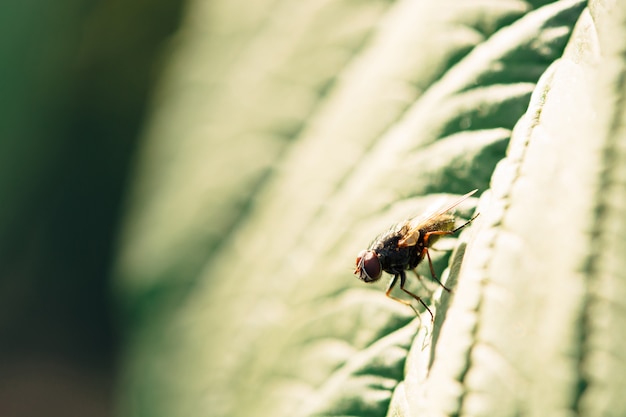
[(404, 246), (395, 258)]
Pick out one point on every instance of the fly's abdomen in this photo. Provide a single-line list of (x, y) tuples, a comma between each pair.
[(443, 223)]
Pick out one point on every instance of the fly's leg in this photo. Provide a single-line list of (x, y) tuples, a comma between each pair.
[(441, 233), (432, 270), (402, 277), (402, 281), (390, 287), (466, 223)]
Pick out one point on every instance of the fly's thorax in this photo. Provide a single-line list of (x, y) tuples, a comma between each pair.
[(384, 241), (394, 258)]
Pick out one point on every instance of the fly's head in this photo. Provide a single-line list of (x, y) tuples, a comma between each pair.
[(368, 266)]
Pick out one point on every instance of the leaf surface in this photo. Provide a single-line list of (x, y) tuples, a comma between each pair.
[(325, 123)]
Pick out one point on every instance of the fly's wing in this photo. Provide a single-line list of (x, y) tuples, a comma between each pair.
[(413, 233)]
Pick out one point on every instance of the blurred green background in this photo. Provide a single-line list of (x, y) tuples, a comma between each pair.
[(75, 77)]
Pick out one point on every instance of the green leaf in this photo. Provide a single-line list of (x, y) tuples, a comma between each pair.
[(280, 144)]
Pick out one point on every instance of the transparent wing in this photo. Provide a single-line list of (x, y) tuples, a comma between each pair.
[(414, 225)]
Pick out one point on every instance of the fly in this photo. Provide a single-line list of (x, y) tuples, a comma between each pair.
[(404, 246)]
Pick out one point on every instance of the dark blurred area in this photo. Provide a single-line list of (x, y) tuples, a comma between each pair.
[(75, 78)]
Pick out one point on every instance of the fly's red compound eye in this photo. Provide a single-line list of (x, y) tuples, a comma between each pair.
[(358, 260), (368, 266)]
